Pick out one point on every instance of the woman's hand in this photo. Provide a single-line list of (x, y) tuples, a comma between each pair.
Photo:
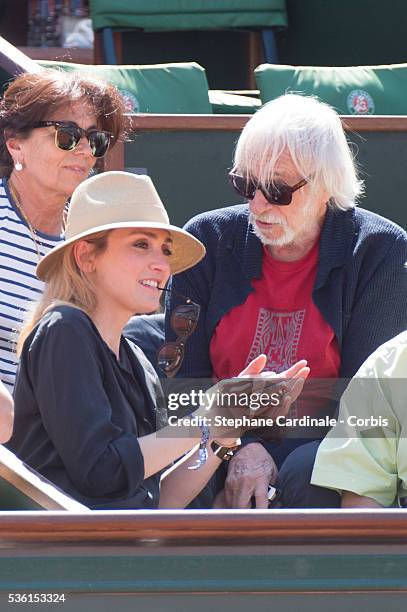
[(253, 394), (288, 383)]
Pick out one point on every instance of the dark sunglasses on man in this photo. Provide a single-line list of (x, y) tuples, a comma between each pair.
[(183, 322), (277, 193), (68, 136)]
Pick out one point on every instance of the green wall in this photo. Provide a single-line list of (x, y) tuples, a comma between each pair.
[(225, 602), (190, 169), (154, 577), (344, 32)]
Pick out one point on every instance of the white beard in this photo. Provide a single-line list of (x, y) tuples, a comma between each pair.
[(306, 227), (287, 236)]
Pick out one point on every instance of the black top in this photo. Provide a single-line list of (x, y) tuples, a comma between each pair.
[(79, 412)]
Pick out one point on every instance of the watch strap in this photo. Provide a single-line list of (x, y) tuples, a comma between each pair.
[(224, 452)]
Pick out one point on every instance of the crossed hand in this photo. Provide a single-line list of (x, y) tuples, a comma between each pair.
[(276, 392)]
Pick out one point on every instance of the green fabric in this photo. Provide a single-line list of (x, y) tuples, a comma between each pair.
[(378, 90), (187, 14), (225, 103), (163, 88)]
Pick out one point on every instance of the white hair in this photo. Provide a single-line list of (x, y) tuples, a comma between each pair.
[(311, 132)]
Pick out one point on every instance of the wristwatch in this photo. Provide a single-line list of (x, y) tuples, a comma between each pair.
[(224, 452)]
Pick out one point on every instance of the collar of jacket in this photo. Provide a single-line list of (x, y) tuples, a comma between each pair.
[(336, 241)]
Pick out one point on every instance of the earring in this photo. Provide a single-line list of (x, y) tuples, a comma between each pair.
[(18, 166)]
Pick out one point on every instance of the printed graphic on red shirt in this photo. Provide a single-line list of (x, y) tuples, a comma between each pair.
[(277, 335), (279, 319)]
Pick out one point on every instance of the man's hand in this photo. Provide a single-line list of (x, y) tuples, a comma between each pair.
[(250, 472)]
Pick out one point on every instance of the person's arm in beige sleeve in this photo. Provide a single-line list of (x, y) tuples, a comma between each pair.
[(359, 456)]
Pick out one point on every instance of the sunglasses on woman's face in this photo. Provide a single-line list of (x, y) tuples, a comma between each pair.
[(68, 136), (184, 320), (275, 193)]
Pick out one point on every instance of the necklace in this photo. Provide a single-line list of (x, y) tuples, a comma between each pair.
[(33, 233)]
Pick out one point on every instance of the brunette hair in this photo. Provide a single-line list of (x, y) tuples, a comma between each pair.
[(67, 284), (31, 97)]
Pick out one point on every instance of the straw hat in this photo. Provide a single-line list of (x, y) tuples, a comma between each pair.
[(114, 200)]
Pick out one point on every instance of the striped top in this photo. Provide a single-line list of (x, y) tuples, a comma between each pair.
[(18, 284)]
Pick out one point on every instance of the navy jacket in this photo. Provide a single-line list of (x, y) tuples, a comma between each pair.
[(360, 287)]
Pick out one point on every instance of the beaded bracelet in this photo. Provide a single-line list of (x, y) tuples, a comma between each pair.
[(203, 450)]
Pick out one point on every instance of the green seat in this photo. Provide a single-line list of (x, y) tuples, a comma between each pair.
[(162, 88), (351, 90), (183, 15), (226, 103), (163, 16)]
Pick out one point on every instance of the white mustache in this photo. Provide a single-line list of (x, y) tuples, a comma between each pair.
[(269, 218)]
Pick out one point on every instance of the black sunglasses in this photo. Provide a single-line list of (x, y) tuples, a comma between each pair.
[(184, 320), (68, 136), (275, 193)]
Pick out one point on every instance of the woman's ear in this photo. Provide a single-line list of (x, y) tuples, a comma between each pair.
[(84, 254), (15, 148)]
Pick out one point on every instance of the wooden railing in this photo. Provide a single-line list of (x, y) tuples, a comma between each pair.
[(210, 528), (226, 123)]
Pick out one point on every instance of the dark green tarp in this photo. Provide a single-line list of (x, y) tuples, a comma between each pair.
[(187, 14)]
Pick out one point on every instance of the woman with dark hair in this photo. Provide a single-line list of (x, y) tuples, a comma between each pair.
[(53, 128)]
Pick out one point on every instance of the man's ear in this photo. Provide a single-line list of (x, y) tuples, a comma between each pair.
[(84, 254)]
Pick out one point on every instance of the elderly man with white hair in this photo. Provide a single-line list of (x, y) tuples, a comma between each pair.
[(298, 272)]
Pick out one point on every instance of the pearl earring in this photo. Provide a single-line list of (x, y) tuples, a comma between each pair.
[(18, 166)]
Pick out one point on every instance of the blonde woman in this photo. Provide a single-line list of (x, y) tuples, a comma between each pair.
[(87, 401)]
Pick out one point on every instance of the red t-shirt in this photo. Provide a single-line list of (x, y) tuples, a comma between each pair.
[(279, 319)]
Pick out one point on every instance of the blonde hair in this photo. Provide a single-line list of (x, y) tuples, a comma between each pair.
[(66, 284), (311, 132)]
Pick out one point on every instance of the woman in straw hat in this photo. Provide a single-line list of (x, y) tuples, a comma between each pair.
[(87, 401)]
